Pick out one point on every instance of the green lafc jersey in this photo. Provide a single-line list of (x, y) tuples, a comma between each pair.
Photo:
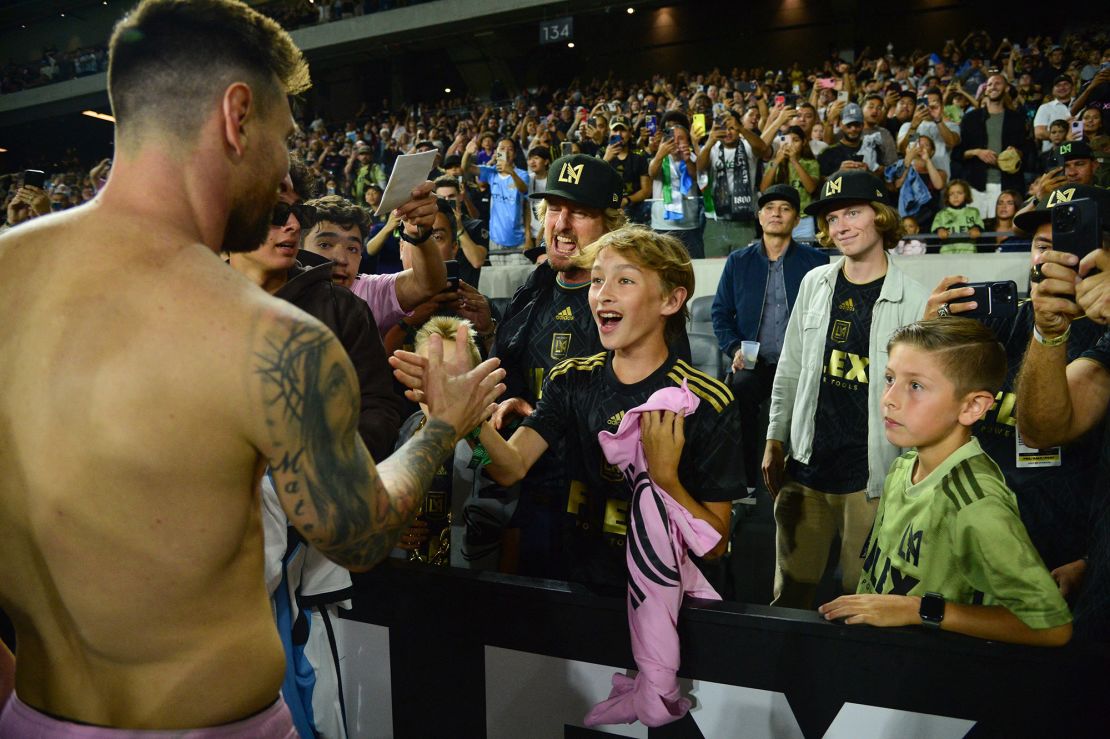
[(958, 533)]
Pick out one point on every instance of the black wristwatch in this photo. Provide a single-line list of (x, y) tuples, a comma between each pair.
[(931, 610), (417, 240)]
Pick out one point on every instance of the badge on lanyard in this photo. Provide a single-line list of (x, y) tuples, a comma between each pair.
[(1028, 457)]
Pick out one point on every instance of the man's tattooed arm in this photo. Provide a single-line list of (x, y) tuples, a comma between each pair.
[(325, 478)]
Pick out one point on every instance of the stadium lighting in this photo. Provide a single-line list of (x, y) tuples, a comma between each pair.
[(101, 116), (447, 90), (570, 44), (631, 11)]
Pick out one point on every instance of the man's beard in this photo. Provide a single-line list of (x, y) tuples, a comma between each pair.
[(248, 224)]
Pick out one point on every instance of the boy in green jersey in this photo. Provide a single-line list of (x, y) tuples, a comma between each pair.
[(948, 549)]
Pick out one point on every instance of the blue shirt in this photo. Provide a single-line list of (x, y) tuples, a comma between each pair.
[(506, 209)]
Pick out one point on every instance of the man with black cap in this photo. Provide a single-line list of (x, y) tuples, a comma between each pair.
[(1078, 167), (1054, 486), (549, 320), (1062, 401), (1058, 108), (759, 285), (826, 398), (632, 167)]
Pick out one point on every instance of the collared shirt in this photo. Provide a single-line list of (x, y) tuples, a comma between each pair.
[(776, 314)]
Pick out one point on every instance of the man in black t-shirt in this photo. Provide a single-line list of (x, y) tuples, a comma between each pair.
[(632, 167)]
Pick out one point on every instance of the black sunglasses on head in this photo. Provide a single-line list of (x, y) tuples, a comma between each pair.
[(305, 214)]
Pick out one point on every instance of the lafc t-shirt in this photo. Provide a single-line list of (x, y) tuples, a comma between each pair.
[(561, 328), (958, 533), (838, 463), (582, 397), (631, 168), (1054, 487)]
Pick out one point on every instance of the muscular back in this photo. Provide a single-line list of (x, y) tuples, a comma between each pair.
[(129, 519)]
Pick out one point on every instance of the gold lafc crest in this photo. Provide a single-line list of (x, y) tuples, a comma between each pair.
[(570, 173)]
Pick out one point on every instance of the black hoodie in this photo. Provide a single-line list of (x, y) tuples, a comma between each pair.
[(350, 319)]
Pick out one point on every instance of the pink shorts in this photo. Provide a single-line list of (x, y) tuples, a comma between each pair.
[(20, 721)]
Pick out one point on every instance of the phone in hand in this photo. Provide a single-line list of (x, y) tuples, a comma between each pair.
[(616, 140), (780, 99), (827, 83), (34, 177), (993, 299), (566, 149), (1076, 227), (668, 136), (842, 96), (452, 266), (1077, 129), (652, 123)]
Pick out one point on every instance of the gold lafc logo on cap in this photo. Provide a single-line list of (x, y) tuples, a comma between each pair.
[(832, 187), (1060, 196), (570, 173)]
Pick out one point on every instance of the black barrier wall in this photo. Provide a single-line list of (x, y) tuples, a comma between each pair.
[(441, 623)]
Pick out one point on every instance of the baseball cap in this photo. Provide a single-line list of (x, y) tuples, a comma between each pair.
[(780, 192), (1061, 78), (848, 187), (583, 179), (1072, 150), (618, 122), (452, 160), (1031, 219), (852, 114)]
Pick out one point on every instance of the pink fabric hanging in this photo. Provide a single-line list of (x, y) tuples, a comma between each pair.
[(660, 572)]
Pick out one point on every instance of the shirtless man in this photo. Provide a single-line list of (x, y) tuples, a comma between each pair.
[(145, 394)]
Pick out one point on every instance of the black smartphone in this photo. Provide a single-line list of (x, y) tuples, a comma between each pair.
[(452, 273), (856, 158), (994, 299), (1075, 227), (566, 149), (668, 135), (34, 177)]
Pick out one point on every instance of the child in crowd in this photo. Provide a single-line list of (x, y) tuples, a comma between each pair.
[(479, 509), (640, 284), (958, 216), (948, 549), (907, 245)]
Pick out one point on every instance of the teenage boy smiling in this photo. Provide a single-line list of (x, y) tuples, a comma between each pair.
[(822, 403)]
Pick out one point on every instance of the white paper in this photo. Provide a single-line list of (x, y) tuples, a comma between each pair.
[(409, 171)]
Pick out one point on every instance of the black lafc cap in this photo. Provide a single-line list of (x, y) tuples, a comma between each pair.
[(780, 192), (1031, 219), (1071, 150), (583, 179), (848, 186)]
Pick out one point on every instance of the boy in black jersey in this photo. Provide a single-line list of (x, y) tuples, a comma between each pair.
[(549, 321), (640, 282)]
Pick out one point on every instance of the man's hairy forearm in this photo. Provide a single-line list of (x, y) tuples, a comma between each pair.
[(1042, 394)]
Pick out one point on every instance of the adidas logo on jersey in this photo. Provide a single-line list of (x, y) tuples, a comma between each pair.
[(848, 306), (615, 420), (564, 315)]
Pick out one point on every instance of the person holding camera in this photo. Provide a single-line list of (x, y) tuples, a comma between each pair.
[(1062, 401), (676, 198), (632, 167), (508, 202), (985, 134), (928, 121), (730, 157)]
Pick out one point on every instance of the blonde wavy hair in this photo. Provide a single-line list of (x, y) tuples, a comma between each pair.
[(887, 222)]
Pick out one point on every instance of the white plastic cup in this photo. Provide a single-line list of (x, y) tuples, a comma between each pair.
[(750, 352)]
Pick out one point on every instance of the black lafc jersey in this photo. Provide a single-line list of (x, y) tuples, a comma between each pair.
[(545, 324), (838, 463), (1054, 487), (582, 397)]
